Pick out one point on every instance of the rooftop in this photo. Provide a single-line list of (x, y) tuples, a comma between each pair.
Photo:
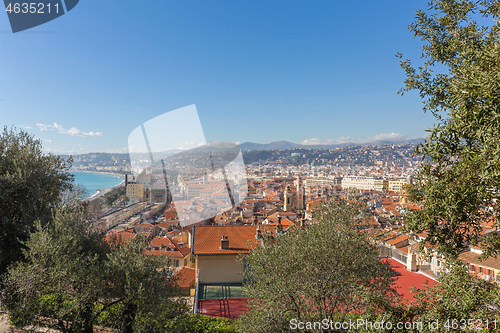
[(241, 238)]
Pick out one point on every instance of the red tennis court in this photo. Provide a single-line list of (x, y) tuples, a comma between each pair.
[(225, 307), (407, 279)]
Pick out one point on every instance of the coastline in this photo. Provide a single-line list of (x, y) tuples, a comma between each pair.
[(119, 175), (102, 192)]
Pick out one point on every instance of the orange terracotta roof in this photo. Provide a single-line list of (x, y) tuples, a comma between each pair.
[(472, 257), (184, 249), (169, 247), (119, 237), (403, 249), (422, 234), (207, 238), (186, 277), (285, 223), (398, 239), (274, 217), (161, 241), (390, 235)]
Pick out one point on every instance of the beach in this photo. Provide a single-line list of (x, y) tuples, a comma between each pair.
[(102, 191), (120, 175)]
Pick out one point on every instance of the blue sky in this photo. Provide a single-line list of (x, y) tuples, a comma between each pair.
[(260, 71)]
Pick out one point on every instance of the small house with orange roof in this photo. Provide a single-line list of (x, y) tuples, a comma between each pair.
[(178, 252), (216, 248)]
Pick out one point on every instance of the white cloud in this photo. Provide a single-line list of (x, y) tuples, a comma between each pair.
[(190, 145), (43, 127), (389, 136), (47, 140), (72, 131), (25, 127), (347, 139)]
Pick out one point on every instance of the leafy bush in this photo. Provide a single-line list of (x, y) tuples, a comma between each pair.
[(201, 324)]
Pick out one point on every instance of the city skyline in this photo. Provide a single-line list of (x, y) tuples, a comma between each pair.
[(257, 72)]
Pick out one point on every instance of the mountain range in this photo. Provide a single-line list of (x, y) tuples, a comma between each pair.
[(247, 146), (282, 145)]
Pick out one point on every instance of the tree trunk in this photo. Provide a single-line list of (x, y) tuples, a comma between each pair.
[(88, 326), (128, 317)]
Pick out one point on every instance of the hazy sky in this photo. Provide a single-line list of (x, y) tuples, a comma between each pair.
[(260, 71)]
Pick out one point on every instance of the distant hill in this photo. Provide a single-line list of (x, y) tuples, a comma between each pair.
[(115, 158), (283, 145), (276, 145)]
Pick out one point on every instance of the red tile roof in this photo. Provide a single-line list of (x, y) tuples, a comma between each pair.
[(398, 239), (186, 277), (285, 223), (120, 237), (207, 238), (471, 257), (169, 247)]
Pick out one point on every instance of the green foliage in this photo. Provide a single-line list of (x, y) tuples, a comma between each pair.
[(62, 275), (169, 317), (142, 283), (459, 181), (31, 185), (71, 274), (457, 296), (200, 324), (109, 316), (459, 82), (115, 195), (156, 321), (328, 269)]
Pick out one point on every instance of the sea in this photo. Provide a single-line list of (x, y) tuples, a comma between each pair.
[(95, 181)]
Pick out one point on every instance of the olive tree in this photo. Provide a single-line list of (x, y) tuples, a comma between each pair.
[(72, 276), (62, 276), (31, 185), (459, 81), (325, 271)]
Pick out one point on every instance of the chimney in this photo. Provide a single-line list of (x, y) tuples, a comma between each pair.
[(280, 226), (224, 243), (184, 236), (254, 221)]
